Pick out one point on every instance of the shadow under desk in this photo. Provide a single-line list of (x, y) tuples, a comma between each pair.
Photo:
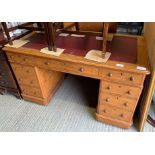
[(121, 78)]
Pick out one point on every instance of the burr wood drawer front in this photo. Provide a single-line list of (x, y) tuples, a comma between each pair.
[(123, 77), (120, 89), (117, 101), (116, 113), (25, 75), (31, 91)]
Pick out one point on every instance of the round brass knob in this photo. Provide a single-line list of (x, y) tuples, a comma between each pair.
[(131, 78), (81, 69), (47, 63), (110, 74)]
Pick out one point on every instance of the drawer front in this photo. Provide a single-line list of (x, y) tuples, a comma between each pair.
[(123, 77), (71, 67), (31, 91), (25, 75), (117, 101), (120, 89), (115, 113), (55, 64)]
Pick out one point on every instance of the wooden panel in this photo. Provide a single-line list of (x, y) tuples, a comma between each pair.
[(149, 34), (117, 101), (146, 100), (120, 89), (48, 80)]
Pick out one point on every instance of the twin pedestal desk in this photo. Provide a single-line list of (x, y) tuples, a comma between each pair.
[(121, 78)]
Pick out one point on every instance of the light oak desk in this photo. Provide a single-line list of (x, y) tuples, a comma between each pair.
[(40, 75)]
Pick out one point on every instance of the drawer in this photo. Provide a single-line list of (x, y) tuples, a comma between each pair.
[(31, 91), (123, 77), (115, 113), (117, 101), (71, 67), (25, 75), (120, 89), (55, 64)]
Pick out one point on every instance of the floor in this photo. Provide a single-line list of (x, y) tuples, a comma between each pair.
[(70, 110)]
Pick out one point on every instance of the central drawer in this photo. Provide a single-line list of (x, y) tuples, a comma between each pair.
[(57, 65), (120, 89)]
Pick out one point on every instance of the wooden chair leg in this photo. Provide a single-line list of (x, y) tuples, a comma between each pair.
[(105, 34), (77, 26), (47, 36), (51, 35), (7, 32)]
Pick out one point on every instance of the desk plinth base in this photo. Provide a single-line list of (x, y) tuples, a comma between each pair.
[(111, 121)]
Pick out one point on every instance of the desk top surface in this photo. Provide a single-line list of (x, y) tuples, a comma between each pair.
[(127, 50)]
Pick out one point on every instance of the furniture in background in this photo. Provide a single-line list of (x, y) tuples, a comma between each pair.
[(134, 28), (8, 81), (121, 79)]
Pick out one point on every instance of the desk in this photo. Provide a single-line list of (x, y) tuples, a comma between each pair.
[(40, 75)]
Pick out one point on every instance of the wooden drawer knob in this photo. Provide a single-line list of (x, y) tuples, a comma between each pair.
[(81, 69), (47, 63), (24, 59), (108, 88), (107, 99), (121, 115), (27, 71), (129, 92), (131, 78), (110, 74), (32, 82), (125, 104), (104, 110)]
